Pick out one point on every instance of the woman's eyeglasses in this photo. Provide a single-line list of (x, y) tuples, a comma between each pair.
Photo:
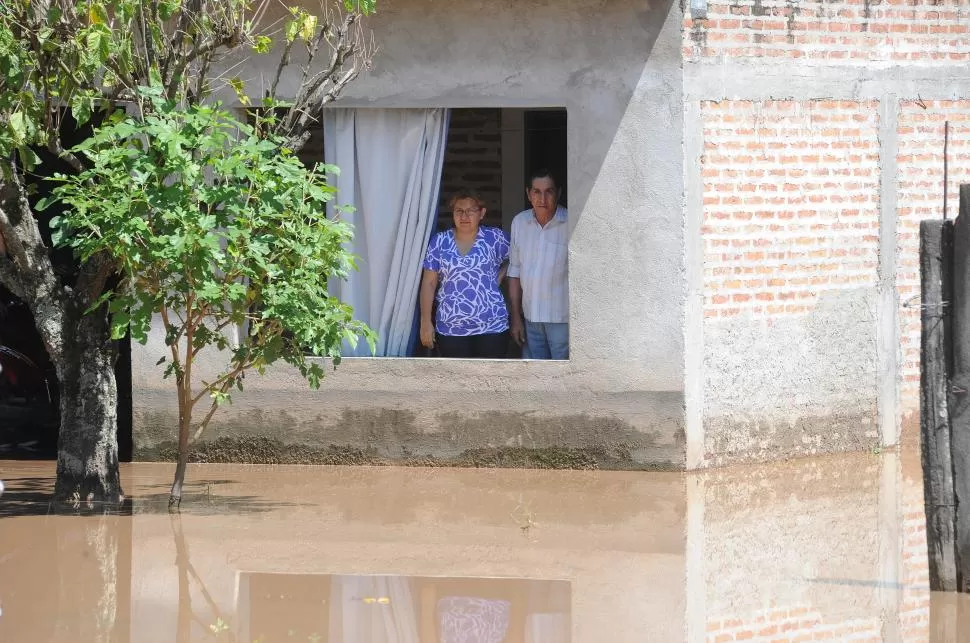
[(469, 213)]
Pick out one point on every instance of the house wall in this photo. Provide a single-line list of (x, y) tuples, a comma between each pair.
[(814, 139), (616, 66)]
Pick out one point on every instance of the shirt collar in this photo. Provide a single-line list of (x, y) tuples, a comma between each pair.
[(561, 215)]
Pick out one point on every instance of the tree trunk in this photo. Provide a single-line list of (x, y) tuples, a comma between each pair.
[(87, 446), (175, 497), (185, 423)]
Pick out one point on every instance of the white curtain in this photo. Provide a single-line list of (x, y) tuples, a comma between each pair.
[(390, 172)]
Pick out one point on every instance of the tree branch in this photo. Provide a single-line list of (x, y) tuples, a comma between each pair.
[(350, 54), (93, 277), (226, 385), (20, 232), (57, 147), (174, 347), (28, 266), (13, 244), (199, 50), (222, 383), (284, 61)]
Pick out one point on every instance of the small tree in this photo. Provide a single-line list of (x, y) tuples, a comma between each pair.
[(73, 61), (248, 249)]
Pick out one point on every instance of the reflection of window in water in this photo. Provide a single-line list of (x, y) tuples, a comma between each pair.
[(399, 169), (403, 609)]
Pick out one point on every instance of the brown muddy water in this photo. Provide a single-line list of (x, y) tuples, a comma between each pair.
[(823, 549)]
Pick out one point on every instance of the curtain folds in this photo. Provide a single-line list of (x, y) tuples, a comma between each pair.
[(390, 172)]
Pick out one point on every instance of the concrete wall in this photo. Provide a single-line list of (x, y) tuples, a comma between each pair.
[(616, 66), (813, 148)]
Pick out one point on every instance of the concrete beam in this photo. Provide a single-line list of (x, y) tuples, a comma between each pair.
[(747, 81), (887, 329), (694, 269)]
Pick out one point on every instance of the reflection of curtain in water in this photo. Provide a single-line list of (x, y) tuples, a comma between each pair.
[(372, 609), (466, 619), (547, 628), (390, 171), (548, 620)]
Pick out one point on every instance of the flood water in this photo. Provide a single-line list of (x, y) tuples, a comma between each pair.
[(824, 549)]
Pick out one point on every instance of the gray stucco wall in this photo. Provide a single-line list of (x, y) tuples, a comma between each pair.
[(799, 386), (616, 67)]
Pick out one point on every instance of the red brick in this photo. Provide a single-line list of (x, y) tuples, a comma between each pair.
[(785, 119)]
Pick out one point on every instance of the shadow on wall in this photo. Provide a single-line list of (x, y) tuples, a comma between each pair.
[(587, 55)]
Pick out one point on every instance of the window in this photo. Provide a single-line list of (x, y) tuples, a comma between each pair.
[(400, 169)]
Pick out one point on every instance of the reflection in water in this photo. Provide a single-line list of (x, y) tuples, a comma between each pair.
[(826, 549), (400, 609), (64, 579)]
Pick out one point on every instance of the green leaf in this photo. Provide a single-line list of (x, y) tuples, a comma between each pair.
[(94, 41), (28, 157), (308, 27), (365, 7), (18, 128), (292, 29), (105, 296), (82, 105), (58, 235), (119, 324), (96, 14), (239, 87), (167, 8), (263, 44)]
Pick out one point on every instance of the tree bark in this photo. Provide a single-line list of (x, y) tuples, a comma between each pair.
[(87, 447), (185, 423), (79, 346), (175, 497)]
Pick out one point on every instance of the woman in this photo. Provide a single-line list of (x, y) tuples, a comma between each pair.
[(467, 263)]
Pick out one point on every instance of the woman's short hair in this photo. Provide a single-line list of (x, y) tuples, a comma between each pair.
[(465, 194)]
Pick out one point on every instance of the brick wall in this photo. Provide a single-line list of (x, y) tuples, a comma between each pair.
[(791, 206), (791, 203), (473, 160), (793, 623), (832, 31), (919, 164)]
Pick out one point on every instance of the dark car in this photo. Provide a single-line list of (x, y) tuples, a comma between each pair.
[(28, 385)]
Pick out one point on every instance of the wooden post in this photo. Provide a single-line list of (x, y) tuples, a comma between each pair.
[(938, 476), (958, 399)]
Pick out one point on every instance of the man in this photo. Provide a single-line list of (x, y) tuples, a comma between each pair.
[(538, 284)]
